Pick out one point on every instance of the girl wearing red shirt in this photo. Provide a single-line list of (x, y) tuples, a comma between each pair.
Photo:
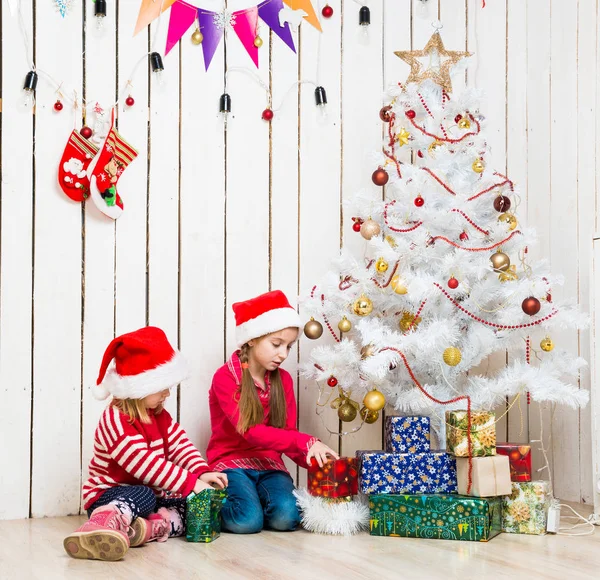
[(253, 419)]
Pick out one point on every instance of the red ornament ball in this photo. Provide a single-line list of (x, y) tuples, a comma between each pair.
[(267, 114), (502, 203), (410, 114), (380, 176), (420, 154), (58, 106), (531, 306), (130, 101), (356, 225), (332, 382), (419, 201), (86, 132), (384, 114), (327, 11), (457, 118), (464, 237), (453, 283)]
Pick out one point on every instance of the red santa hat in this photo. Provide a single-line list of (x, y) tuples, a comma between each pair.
[(262, 315), (139, 364)]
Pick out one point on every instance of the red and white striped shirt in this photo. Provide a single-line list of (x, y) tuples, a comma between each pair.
[(157, 454)]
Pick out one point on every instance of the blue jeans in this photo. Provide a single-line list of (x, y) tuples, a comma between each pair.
[(259, 499)]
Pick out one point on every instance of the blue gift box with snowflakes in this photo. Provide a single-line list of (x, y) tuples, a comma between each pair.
[(406, 473), (407, 434)]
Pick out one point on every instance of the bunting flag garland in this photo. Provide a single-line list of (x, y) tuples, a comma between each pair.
[(150, 11), (306, 5), (243, 22)]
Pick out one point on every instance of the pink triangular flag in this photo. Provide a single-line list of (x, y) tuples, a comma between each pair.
[(182, 17), (246, 25)]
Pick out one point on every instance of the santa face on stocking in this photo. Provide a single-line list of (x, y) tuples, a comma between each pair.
[(72, 171)]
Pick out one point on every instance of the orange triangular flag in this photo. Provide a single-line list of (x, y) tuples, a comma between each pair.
[(149, 11), (306, 5)]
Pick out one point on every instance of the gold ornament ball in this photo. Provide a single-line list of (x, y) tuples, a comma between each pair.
[(508, 218), (347, 412), (362, 306), (367, 351), (345, 325), (258, 42), (547, 345), (313, 329), (452, 356), (374, 400), (464, 123), (500, 261), (369, 229), (368, 416), (478, 166), (409, 322), (197, 37), (381, 265), (398, 285)]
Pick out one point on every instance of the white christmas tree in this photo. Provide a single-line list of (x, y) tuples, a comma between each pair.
[(446, 280)]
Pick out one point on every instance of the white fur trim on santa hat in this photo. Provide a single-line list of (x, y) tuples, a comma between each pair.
[(143, 384), (270, 321)]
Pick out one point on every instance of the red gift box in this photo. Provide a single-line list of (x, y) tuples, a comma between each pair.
[(519, 457), (337, 478)]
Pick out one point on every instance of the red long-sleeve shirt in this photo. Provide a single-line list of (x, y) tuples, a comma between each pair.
[(261, 446), (157, 454)]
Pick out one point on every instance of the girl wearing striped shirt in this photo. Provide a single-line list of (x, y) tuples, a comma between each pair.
[(144, 465)]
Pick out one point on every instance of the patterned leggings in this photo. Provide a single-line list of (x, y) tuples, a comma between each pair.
[(140, 501)]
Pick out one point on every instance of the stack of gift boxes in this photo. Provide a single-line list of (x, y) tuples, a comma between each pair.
[(418, 492)]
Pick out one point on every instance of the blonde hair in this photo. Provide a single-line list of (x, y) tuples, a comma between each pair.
[(251, 411), (135, 409)]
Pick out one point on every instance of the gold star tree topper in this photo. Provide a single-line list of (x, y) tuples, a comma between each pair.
[(441, 62)]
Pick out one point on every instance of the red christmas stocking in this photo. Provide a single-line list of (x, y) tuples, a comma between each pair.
[(72, 171), (106, 168)]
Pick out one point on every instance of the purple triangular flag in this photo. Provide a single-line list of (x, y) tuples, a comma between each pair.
[(269, 13), (212, 35)]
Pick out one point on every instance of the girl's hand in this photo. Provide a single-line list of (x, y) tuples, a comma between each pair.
[(320, 451), (214, 478), (200, 486)]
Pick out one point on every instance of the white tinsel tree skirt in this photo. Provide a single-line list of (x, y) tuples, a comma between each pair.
[(334, 518)]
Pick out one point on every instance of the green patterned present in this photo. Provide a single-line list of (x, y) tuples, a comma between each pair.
[(444, 517), (483, 433), (203, 517), (525, 511)]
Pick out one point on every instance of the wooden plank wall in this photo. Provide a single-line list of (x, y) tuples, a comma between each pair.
[(213, 216)]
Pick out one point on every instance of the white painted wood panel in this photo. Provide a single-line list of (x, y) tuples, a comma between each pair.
[(214, 216)]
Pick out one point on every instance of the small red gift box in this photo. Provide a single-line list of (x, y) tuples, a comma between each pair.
[(520, 460), (337, 478)]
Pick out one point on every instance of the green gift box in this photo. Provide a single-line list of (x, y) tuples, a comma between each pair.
[(525, 511), (203, 517), (483, 433), (433, 516)]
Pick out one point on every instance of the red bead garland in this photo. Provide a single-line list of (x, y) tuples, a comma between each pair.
[(499, 326), (484, 249), (462, 213), (385, 219)]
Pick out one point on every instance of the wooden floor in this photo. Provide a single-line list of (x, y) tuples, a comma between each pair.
[(32, 549)]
